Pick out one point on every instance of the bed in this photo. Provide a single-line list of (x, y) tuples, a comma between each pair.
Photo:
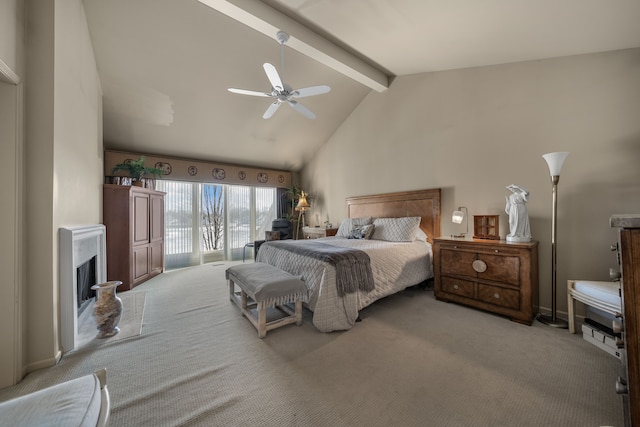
[(391, 267)]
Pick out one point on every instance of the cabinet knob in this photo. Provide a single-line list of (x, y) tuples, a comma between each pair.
[(456, 287), (496, 295), (496, 251)]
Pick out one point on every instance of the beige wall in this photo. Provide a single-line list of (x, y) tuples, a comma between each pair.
[(12, 35), (63, 156), (12, 282), (474, 131)]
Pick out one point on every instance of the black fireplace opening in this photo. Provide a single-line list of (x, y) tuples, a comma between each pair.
[(86, 278)]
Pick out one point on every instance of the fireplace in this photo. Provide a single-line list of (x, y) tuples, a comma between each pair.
[(85, 279), (83, 263)]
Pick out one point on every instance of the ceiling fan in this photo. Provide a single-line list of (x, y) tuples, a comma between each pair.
[(281, 91)]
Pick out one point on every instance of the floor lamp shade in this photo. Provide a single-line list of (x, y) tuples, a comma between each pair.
[(303, 205), (555, 162)]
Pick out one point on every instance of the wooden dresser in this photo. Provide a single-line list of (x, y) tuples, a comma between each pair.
[(317, 232), (628, 383), (492, 275), (134, 218)]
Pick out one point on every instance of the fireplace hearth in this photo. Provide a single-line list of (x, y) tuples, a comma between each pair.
[(83, 260)]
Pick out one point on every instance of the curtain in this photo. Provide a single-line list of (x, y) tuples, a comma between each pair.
[(181, 230), (212, 222)]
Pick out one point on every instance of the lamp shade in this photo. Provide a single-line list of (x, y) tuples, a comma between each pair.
[(302, 202), (555, 161), (457, 217)]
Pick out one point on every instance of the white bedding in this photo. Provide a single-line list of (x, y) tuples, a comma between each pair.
[(395, 266)]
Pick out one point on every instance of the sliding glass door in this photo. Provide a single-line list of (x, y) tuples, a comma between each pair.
[(210, 222)]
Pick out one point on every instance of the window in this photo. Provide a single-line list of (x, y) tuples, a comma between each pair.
[(211, 222)]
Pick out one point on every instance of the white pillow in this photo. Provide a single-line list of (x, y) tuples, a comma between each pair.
[(396, 229), (421, 235), (347, 225)]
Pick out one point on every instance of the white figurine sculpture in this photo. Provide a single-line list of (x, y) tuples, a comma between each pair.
[(516, 208)]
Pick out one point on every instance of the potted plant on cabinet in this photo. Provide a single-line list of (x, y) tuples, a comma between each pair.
[(137, 170)]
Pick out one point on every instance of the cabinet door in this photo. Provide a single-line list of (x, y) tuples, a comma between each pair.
[(156, 227), (140, 263), (140, 218), (157, 257)]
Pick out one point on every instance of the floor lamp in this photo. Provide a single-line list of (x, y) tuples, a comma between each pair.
[(554, 161), (302, 206)]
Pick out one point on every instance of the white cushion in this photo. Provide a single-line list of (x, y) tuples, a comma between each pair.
[(266, 283), (73, 403), (605, 292)]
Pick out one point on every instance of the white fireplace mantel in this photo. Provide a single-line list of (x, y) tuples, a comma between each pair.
[(77, 245)]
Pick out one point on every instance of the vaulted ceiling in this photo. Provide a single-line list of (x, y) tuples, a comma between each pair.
[(165, 65)]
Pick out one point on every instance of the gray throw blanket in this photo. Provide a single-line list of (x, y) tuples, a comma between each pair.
[(353, 266)]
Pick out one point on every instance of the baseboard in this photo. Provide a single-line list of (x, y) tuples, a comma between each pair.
[(560, 314), (44, 363)]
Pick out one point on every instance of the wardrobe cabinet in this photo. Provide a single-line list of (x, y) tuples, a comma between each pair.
[(134, 219)]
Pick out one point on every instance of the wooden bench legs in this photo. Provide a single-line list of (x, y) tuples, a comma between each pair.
[(259, 319)]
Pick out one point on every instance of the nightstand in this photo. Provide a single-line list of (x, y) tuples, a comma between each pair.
[(491, 275), (317, 232)]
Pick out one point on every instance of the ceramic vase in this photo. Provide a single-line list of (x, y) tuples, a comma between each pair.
[(107, 309)]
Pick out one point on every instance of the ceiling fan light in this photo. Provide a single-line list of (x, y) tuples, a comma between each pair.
[(281, 91)]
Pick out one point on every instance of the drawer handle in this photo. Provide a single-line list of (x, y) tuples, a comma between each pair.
[(479, 266), (497, 251), (455, 287), (496, 295)]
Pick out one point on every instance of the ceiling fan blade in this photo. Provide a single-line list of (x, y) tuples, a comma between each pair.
[(249, 92), (310, 91), (272, 109), (273, 76), (302, 110)]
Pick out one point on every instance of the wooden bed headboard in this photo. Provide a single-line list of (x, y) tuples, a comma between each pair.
[(422, 203)]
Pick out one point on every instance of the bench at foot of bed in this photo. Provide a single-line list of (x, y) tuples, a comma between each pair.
[(267, 286)]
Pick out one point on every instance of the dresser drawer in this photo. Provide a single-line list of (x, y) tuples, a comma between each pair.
[(502, 297), (499, 268), (457, 287), (457, 262)]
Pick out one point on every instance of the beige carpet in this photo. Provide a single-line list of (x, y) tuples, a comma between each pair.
[(130, 324), (411, 361)]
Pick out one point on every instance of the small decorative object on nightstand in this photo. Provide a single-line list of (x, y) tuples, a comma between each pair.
[(486, 227), (492, 275)]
